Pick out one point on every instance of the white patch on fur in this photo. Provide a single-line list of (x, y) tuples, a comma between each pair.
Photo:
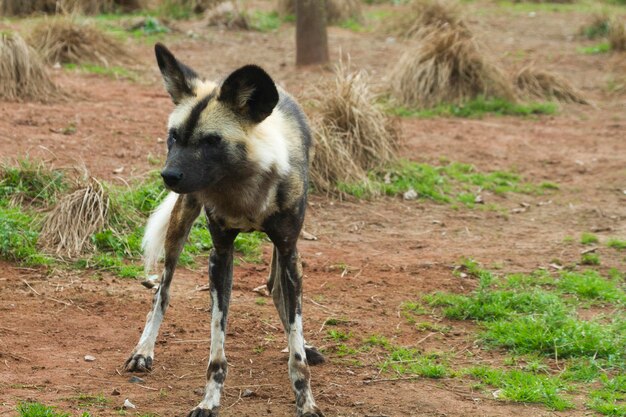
[(267, 144), (217, 334), (153, 243), (296, 345), (213, 390), (145, 346), (180, 114), (212, 395), (203, 88)]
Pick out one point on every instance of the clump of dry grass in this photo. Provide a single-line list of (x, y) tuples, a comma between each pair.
[(447, 66), (22, 73), (534, 83), (353, 135), (26, 7), (337, 11), (424, 16), (68, 227), (64, 40), (228, 15), (617, 35)]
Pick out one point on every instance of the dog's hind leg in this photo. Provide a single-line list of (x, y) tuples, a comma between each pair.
[(313, 356), (286, 282), (221, 277), (184, 213)]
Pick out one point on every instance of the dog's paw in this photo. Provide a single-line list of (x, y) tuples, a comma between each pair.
[(202, 412), (138, 363), (313, 356), (315, 412)]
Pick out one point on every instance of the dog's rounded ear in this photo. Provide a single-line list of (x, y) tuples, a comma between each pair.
[(178, 77), (250, 92)]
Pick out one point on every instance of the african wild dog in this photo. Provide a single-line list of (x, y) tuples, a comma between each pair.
[(238, 149)]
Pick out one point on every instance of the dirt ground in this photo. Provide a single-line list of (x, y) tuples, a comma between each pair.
[(370, 256)]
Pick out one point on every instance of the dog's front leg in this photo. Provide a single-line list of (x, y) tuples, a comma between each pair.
[(185, 212), (221, 276)]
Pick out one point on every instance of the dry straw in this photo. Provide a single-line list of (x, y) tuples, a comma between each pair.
[(64, 40), (228, 15), (22, 73), (534, 83), (25, 7), (352, 133), (67, 229), (617, 35), (447, 66), (337, 11), (424, 16)]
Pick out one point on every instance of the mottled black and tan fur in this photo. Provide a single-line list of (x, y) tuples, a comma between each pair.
[(239, 151)]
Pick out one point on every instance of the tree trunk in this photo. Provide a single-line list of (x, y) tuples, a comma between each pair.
[(311, 38)]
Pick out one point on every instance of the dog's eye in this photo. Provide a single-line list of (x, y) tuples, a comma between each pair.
[(211, 139), (171, 139)]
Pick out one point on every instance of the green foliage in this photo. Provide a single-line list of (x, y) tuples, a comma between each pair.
[(410, 361), (599, 28), (114, 72), (588, 238), (521, 386), (452, 183), (33, 409), (590, 259), (30, 182), (616, 244), (600, 48), (378, 340), (591, 285), (611, 399), (338, 335), (353, 25), (490, 305), (556, 335), (265, 21), (479, 107), (19, 232)]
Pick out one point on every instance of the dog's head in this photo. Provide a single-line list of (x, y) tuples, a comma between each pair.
[(209, 128)]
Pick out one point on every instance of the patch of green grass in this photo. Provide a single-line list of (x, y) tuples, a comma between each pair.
[(588, 238), (582, 369), (353, 25), (600, 48), (591, 285), (378, 340), (249, 246), (342, 350), (114, 72), (407, 361), (491, 305), (34, 409), (265, 21), (260, 301), (616, 244), (611, 399), (176, 9), (28, 181), (479, 107), (338, 335), (557, 335), (525, 387), (19, 232), (90, 400), (599, 28), (451, 183), (590, 259)]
